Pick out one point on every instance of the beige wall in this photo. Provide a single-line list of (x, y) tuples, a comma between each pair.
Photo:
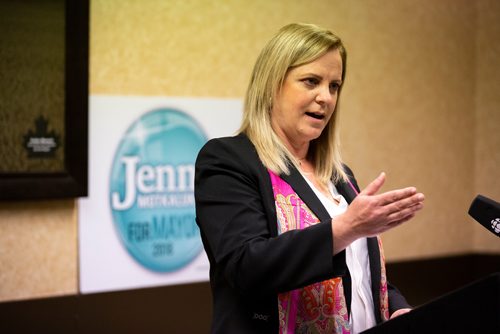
[(487, 114), (420, 103), (38, 249)]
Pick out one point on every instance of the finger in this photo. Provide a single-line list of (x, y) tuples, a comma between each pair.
[(401, 221), (405, 214), (396, 223), (405, 203), (374, 186), (400, 312), (394, 196)]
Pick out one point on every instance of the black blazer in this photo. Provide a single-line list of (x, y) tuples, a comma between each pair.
[(249, 263)]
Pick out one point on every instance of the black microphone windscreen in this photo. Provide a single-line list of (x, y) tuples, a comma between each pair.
[(487, 213)]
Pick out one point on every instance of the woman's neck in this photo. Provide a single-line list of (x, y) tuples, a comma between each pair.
[(299, 151)]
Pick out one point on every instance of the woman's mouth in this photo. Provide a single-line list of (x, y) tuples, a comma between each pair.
[(315, 115)]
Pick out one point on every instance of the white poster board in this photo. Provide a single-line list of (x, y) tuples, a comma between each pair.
[(136, 227)]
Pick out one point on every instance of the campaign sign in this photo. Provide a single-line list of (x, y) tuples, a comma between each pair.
[(137, 228), (152, 189)]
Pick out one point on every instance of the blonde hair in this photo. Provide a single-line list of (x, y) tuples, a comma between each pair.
[(294, 45)]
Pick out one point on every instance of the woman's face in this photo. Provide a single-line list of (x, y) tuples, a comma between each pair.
[(306, 101)]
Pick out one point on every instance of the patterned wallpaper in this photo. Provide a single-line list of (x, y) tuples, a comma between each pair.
[(420, 103)]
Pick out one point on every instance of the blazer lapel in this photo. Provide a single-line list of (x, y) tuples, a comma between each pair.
[(375, 267), (306, 194), (299, 184), (346, 190)]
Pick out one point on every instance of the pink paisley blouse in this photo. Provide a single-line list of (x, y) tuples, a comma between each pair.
[(319, 307)]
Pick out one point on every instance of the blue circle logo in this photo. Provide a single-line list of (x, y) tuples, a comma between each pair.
[(152, 189)]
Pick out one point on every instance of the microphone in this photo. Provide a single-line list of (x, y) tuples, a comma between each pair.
[(487, 213)]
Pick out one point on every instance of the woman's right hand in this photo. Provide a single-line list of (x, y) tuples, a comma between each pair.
[(370, 214)]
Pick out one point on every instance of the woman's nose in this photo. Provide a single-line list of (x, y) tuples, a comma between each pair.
[(324, 95)]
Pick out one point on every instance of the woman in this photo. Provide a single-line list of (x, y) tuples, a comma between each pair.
[(291, 240)]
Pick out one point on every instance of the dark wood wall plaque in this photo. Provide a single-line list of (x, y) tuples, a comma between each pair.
[(43, 98)]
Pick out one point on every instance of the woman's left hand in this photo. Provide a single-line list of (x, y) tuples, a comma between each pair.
[(399, 312)]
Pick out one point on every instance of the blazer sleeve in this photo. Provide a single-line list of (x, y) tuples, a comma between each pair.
[(235, 225), (396, 299)]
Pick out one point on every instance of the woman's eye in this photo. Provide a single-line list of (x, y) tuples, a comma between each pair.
[(311, 81), (334, 86)]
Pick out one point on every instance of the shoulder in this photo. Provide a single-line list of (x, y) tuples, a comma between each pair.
[(236, 147), (238, 142), (229, 153), (230, 162)]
